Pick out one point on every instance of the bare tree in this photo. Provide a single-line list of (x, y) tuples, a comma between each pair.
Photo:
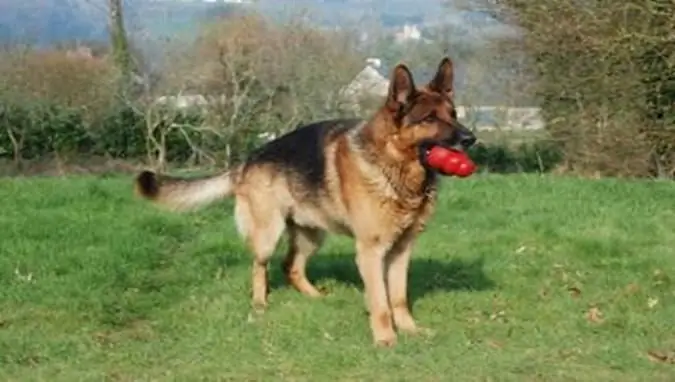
[(118, 38)]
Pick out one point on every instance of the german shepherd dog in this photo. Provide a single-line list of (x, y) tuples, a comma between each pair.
[(365, 179)]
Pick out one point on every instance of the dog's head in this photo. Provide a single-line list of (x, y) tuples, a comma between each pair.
[(425, 117)]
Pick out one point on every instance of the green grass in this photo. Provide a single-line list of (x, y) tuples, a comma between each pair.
[(95, 285)]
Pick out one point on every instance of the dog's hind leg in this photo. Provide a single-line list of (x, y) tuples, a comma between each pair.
[(261, 229), (303, 243)]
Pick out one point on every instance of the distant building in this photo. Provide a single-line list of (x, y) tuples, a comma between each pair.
[(368, 83)]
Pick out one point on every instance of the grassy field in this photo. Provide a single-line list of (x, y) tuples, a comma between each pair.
[(522, 278)]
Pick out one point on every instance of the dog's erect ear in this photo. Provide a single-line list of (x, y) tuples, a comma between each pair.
[(401, 87), (443, 80)]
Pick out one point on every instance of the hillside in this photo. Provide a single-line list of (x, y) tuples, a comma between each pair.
[(152, 23), (56, 20)]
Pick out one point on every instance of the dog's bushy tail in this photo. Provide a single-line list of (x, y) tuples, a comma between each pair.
[(182, 194)]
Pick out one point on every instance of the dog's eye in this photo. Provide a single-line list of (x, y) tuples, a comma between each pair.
[(430, 118)]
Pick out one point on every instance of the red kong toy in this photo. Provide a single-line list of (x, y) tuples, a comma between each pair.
[(450, 162)]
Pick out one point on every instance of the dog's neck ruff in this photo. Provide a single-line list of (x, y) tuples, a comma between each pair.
[(391, 174)]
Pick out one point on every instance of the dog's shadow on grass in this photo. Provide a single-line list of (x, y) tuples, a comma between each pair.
[(425, 276)]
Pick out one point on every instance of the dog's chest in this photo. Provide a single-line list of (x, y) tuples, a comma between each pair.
[(412, 211)]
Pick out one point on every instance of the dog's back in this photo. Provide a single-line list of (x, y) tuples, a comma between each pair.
[(301, 154)]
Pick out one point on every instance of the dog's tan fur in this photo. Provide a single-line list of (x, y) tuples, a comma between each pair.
[(374, 188)]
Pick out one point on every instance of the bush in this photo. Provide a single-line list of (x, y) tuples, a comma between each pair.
[(39, 130), (68, 78), (538, 156), (605, 80)]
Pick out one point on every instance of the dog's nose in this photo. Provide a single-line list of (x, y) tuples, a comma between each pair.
[(467, 140)]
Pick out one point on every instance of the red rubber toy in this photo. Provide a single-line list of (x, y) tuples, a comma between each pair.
[(450, 162)]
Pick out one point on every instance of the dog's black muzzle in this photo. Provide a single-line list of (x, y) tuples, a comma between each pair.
[(463, 137)]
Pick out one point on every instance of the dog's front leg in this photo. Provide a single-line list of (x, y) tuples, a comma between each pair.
[(370, 254), (398, 261)]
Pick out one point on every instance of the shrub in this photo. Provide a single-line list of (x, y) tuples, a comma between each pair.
[(604, 78), (538, 156)]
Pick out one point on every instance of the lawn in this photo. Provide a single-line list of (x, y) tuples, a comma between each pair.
[(521, 278)]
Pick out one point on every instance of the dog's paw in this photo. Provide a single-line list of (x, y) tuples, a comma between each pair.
[(259, 307), (388, 342), (385, 339)]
